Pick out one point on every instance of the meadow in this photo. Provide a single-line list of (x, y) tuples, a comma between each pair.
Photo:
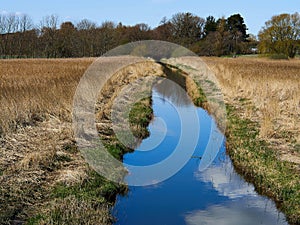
[(268, 92), (42, 171), (44, 178), (263, 125)]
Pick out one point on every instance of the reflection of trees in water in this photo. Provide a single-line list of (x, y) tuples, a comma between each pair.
[(173, 92)]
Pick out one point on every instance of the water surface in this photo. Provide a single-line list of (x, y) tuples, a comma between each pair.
[(216, 195)]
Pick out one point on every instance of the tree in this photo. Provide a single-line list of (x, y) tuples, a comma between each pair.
[(139, 32), (236, 25), (187, 28), (281, 35), (224, 36), (211, 25), (9, 26), (48, 35), (86, 36), (25, 23), (218, 42), (163, 31), (86, 24), (238, 32), (66, 45)]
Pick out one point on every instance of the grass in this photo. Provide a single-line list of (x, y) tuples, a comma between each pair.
[(139, 117), (36, 100), (272, 90), (262, 97), (44, 179), (259, 164), (91, 198), (33, 89)]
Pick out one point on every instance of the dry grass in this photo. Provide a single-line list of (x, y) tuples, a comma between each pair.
[(263, 125), (32, 163), (33, 89), (41, 170), (36, 98), (267, 91)]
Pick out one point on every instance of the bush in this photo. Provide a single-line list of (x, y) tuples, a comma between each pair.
[(278, 56)]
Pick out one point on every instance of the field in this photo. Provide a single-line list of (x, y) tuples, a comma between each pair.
[(40, 164), (44, 178), (268, 92), (263, 128)]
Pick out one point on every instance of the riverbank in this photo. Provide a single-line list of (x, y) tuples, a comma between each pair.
[(262, 131), (262, 98), (44, 178)]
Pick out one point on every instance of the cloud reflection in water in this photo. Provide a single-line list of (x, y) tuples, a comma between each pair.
[(246, 206)]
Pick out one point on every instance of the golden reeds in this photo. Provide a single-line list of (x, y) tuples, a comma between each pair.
[(267, 91), (32, 89)]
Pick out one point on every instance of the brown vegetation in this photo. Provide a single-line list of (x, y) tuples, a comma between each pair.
[(263, 125), (38, 154), (33, 89), (267, 91), (36, 136), (43, 175)]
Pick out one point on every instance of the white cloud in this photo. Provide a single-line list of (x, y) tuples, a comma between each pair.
[(226, 181), (246, 206), (241, 212)]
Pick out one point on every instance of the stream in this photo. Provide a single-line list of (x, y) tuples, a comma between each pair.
[(214, 196)]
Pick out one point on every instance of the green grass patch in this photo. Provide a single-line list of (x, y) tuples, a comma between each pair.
[(139, 118), (260, 165), (201, 101), (117, 150), (35, 220), (95, 188), (278, 56)]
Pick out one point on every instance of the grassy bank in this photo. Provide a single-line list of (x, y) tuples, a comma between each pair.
[(89, 201), (44, 179), (259, 164), (262, 124), (262, 98)]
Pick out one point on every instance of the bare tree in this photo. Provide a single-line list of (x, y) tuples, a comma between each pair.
[(25, 23), (50, 22), (48, 35), (2, 24), (11, 23), (86, 24)]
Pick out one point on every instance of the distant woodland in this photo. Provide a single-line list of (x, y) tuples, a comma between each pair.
[(20, 37)]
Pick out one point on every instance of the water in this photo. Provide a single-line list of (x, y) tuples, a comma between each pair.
[(216, 195)]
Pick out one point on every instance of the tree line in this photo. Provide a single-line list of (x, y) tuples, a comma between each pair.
[(19, 37)]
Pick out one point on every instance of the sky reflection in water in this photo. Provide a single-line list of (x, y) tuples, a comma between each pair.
[(217, 195)]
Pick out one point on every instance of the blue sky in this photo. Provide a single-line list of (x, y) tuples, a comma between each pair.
[(130, 12)]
